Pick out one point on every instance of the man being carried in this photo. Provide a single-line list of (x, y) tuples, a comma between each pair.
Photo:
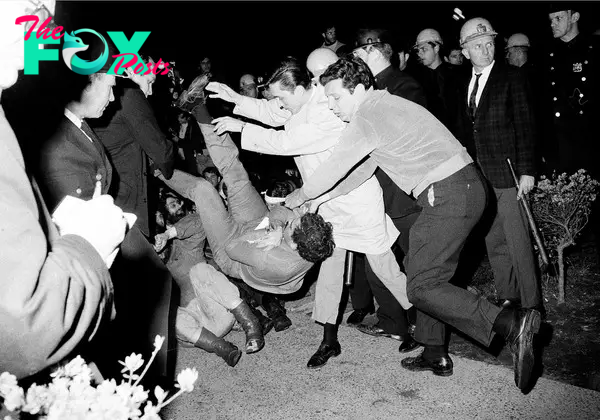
[(269, 250), (359, 219)]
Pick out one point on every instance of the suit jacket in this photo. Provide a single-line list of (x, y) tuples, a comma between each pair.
[(70, 164), (56, 291), (131, 134), (441, 91), (397, 202), (504, 125), (401, 84)]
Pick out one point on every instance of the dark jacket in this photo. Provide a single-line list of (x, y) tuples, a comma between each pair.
[(571, 102), (70, 164), (441, 90), (504, 125), (401, 84), (56, 290), (131, 135)]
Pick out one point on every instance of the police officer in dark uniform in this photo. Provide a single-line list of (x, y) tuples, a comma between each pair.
[(572, 105), (572, 84)]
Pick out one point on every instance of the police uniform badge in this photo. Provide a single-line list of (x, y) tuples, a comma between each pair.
[(577, 67)]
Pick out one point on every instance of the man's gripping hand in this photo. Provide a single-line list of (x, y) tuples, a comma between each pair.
[(295, 199)]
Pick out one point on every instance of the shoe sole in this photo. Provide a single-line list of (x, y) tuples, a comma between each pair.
[(426, 369), (525, 362), (446, 373), (385, 335)]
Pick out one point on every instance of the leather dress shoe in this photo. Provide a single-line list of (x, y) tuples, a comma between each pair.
[(526, 324), (440, 366), (282, 322), (358, 315), (374, 330), (323, 354), (408, 344)]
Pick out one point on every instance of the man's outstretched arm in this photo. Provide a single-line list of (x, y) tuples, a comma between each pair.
[(353, 146), (267, 112)]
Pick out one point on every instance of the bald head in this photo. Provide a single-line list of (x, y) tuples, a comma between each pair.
[(248, 86), (318, 61)]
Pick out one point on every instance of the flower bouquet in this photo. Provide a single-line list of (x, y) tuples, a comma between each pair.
[(72, 395)]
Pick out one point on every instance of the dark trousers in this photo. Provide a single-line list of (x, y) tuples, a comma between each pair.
[(510, 251), (451, 209), (145, 308), (390, 315)]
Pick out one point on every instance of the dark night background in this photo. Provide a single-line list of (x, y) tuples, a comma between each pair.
[(242, 37), (248, 36)]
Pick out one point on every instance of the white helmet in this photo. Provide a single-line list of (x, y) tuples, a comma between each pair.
[(318, 61), (517, 40), (475, 28), (428, 35)]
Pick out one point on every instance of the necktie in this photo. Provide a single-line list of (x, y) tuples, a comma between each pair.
[(472, 103), (95, 139), (88, 130)]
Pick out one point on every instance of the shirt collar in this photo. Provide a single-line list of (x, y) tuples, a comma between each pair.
[(486, 71), (74, 118)]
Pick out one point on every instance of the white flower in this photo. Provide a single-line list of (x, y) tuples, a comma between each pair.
[(160, 394), (38, 399), (158, 342), (186, 379), (151, 412), (15, 399), (8, 382), (132, 363), (107, 387)]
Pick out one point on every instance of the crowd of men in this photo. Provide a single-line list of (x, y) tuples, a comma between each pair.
[(402, 170)]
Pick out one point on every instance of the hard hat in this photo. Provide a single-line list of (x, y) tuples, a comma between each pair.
[(428, 35), (318, 60), (517, 40), (475, 28)]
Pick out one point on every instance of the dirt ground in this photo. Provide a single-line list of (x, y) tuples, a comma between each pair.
[(570, 337)]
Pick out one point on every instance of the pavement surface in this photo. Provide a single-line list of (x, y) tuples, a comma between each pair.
[(365, 382)]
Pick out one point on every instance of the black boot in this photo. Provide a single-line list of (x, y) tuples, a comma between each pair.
[(249, 322), (276, 311), (266, 323), (213, 344)]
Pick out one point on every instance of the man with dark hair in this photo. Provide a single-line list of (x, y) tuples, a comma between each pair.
[(374, 47), (359, 219), (71, 162), (423, 158), (270, 250), (330, 38)]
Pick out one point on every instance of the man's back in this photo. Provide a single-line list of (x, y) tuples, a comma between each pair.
[(130, 136)]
